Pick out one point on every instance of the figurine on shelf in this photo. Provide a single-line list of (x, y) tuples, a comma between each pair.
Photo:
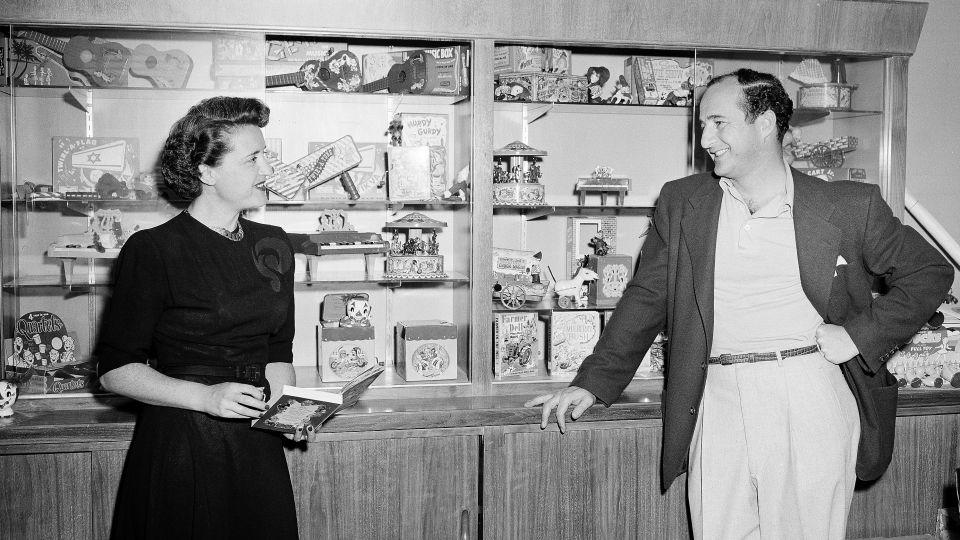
[(597, 77), (599, 244), (8, 396), (395, 131), (516, 175)]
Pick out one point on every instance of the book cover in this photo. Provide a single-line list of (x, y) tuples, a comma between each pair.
[(516, 347), (573, 334), (409, 177), (304, 410)]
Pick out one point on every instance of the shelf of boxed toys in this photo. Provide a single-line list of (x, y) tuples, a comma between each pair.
[(536, 212), (548, 305), (393, 206), (336, 280), (537, 109), (359, 98)]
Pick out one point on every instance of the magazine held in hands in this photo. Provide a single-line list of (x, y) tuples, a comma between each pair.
[(302, 410)]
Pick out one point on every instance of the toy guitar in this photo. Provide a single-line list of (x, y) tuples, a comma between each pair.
[(412, 76), (104, 64), (36, 65), (315, 168), (339, 73), (167, 69)]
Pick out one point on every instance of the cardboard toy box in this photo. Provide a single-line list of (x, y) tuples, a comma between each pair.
[(449, 77), (854, 174), (614, 272), (343, 352), (666, 80), (542, 87), (518, 58), (518, 343), (426, 350), (930, 359)]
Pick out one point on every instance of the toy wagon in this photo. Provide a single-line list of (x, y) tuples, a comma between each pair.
[(516, 277)]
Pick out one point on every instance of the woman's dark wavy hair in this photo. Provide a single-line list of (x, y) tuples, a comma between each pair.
[(761, 92), (200, 138)]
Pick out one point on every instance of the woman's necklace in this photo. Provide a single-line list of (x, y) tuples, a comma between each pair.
[(236, 235)]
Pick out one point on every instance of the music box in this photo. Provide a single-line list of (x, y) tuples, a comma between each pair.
[(516, 175), (413, 254)]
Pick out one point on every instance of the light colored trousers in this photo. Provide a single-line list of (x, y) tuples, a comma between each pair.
[(774, 451)]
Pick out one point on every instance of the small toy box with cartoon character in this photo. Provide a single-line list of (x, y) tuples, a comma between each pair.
[(613, 274), (666, 80), (541, 87), (345, 337), (426, 350)]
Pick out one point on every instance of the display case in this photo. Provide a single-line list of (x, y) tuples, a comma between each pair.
[(90, 110), (638, 130)]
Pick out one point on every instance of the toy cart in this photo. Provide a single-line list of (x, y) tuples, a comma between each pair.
[(827, 153), (515, 290)]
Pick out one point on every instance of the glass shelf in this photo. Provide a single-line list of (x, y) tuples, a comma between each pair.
[(536, 212)]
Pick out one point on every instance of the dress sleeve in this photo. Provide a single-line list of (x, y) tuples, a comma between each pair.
[(132, 313), (281, 342)]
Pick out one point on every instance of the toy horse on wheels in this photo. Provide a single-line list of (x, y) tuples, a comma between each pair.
[(570, 292)]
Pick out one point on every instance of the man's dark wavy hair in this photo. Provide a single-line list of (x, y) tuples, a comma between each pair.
[(761, 92), (201, 138)]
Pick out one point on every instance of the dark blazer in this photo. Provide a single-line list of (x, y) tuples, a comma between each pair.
[(673, 291)]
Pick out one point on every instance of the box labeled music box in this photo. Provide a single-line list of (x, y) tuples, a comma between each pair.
[(613, 274), (516, 175), (426, 350)]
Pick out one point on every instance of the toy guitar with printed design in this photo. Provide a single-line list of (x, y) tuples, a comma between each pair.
[(36, 65), (102, 63), (341, 73)]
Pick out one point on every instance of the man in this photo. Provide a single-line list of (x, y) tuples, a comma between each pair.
[(762, 278)]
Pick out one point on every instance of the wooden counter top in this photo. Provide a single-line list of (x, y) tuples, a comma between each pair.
[(111, 420)]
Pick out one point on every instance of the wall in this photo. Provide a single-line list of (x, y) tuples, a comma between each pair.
[(933, 118)]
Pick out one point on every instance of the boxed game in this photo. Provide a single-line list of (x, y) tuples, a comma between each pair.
[(426, 350), (238, 62), (614, 272), (854, 174), (519, 59), (666, 80), (556, 60), (516, 346), (573, 334), (43, 356), (440, 71), (541, 87), (929, 360)]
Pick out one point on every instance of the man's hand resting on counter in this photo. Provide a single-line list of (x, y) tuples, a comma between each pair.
[(572, 395)]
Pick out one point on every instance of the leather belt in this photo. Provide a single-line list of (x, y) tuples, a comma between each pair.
[(747, 358), (251, 373)]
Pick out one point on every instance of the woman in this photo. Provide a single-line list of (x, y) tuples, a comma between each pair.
[(200, 330)]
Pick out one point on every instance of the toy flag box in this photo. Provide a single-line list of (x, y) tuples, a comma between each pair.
[(540, 87), (448, 74), (344, 352), (666, 80), (614, 272), (426, 350)]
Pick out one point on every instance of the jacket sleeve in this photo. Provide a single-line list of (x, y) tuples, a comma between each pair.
[(917, 275), (639, 316)]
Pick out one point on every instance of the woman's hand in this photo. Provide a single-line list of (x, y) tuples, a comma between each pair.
[(234, 400)]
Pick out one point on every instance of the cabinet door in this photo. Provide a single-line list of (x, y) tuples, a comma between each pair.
[(416, 487), (106, 468), (45, 496), (587, 483)]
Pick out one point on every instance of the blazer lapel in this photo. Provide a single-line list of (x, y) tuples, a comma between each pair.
[(818, 240), (699, 232)]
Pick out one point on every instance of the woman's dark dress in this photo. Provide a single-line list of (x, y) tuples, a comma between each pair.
[(185, 295)]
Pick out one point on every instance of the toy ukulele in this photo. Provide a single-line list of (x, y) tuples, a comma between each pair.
[(412, 76), (339, 73), (167, 69), (330, 161), (103, 63), (36, 65)]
